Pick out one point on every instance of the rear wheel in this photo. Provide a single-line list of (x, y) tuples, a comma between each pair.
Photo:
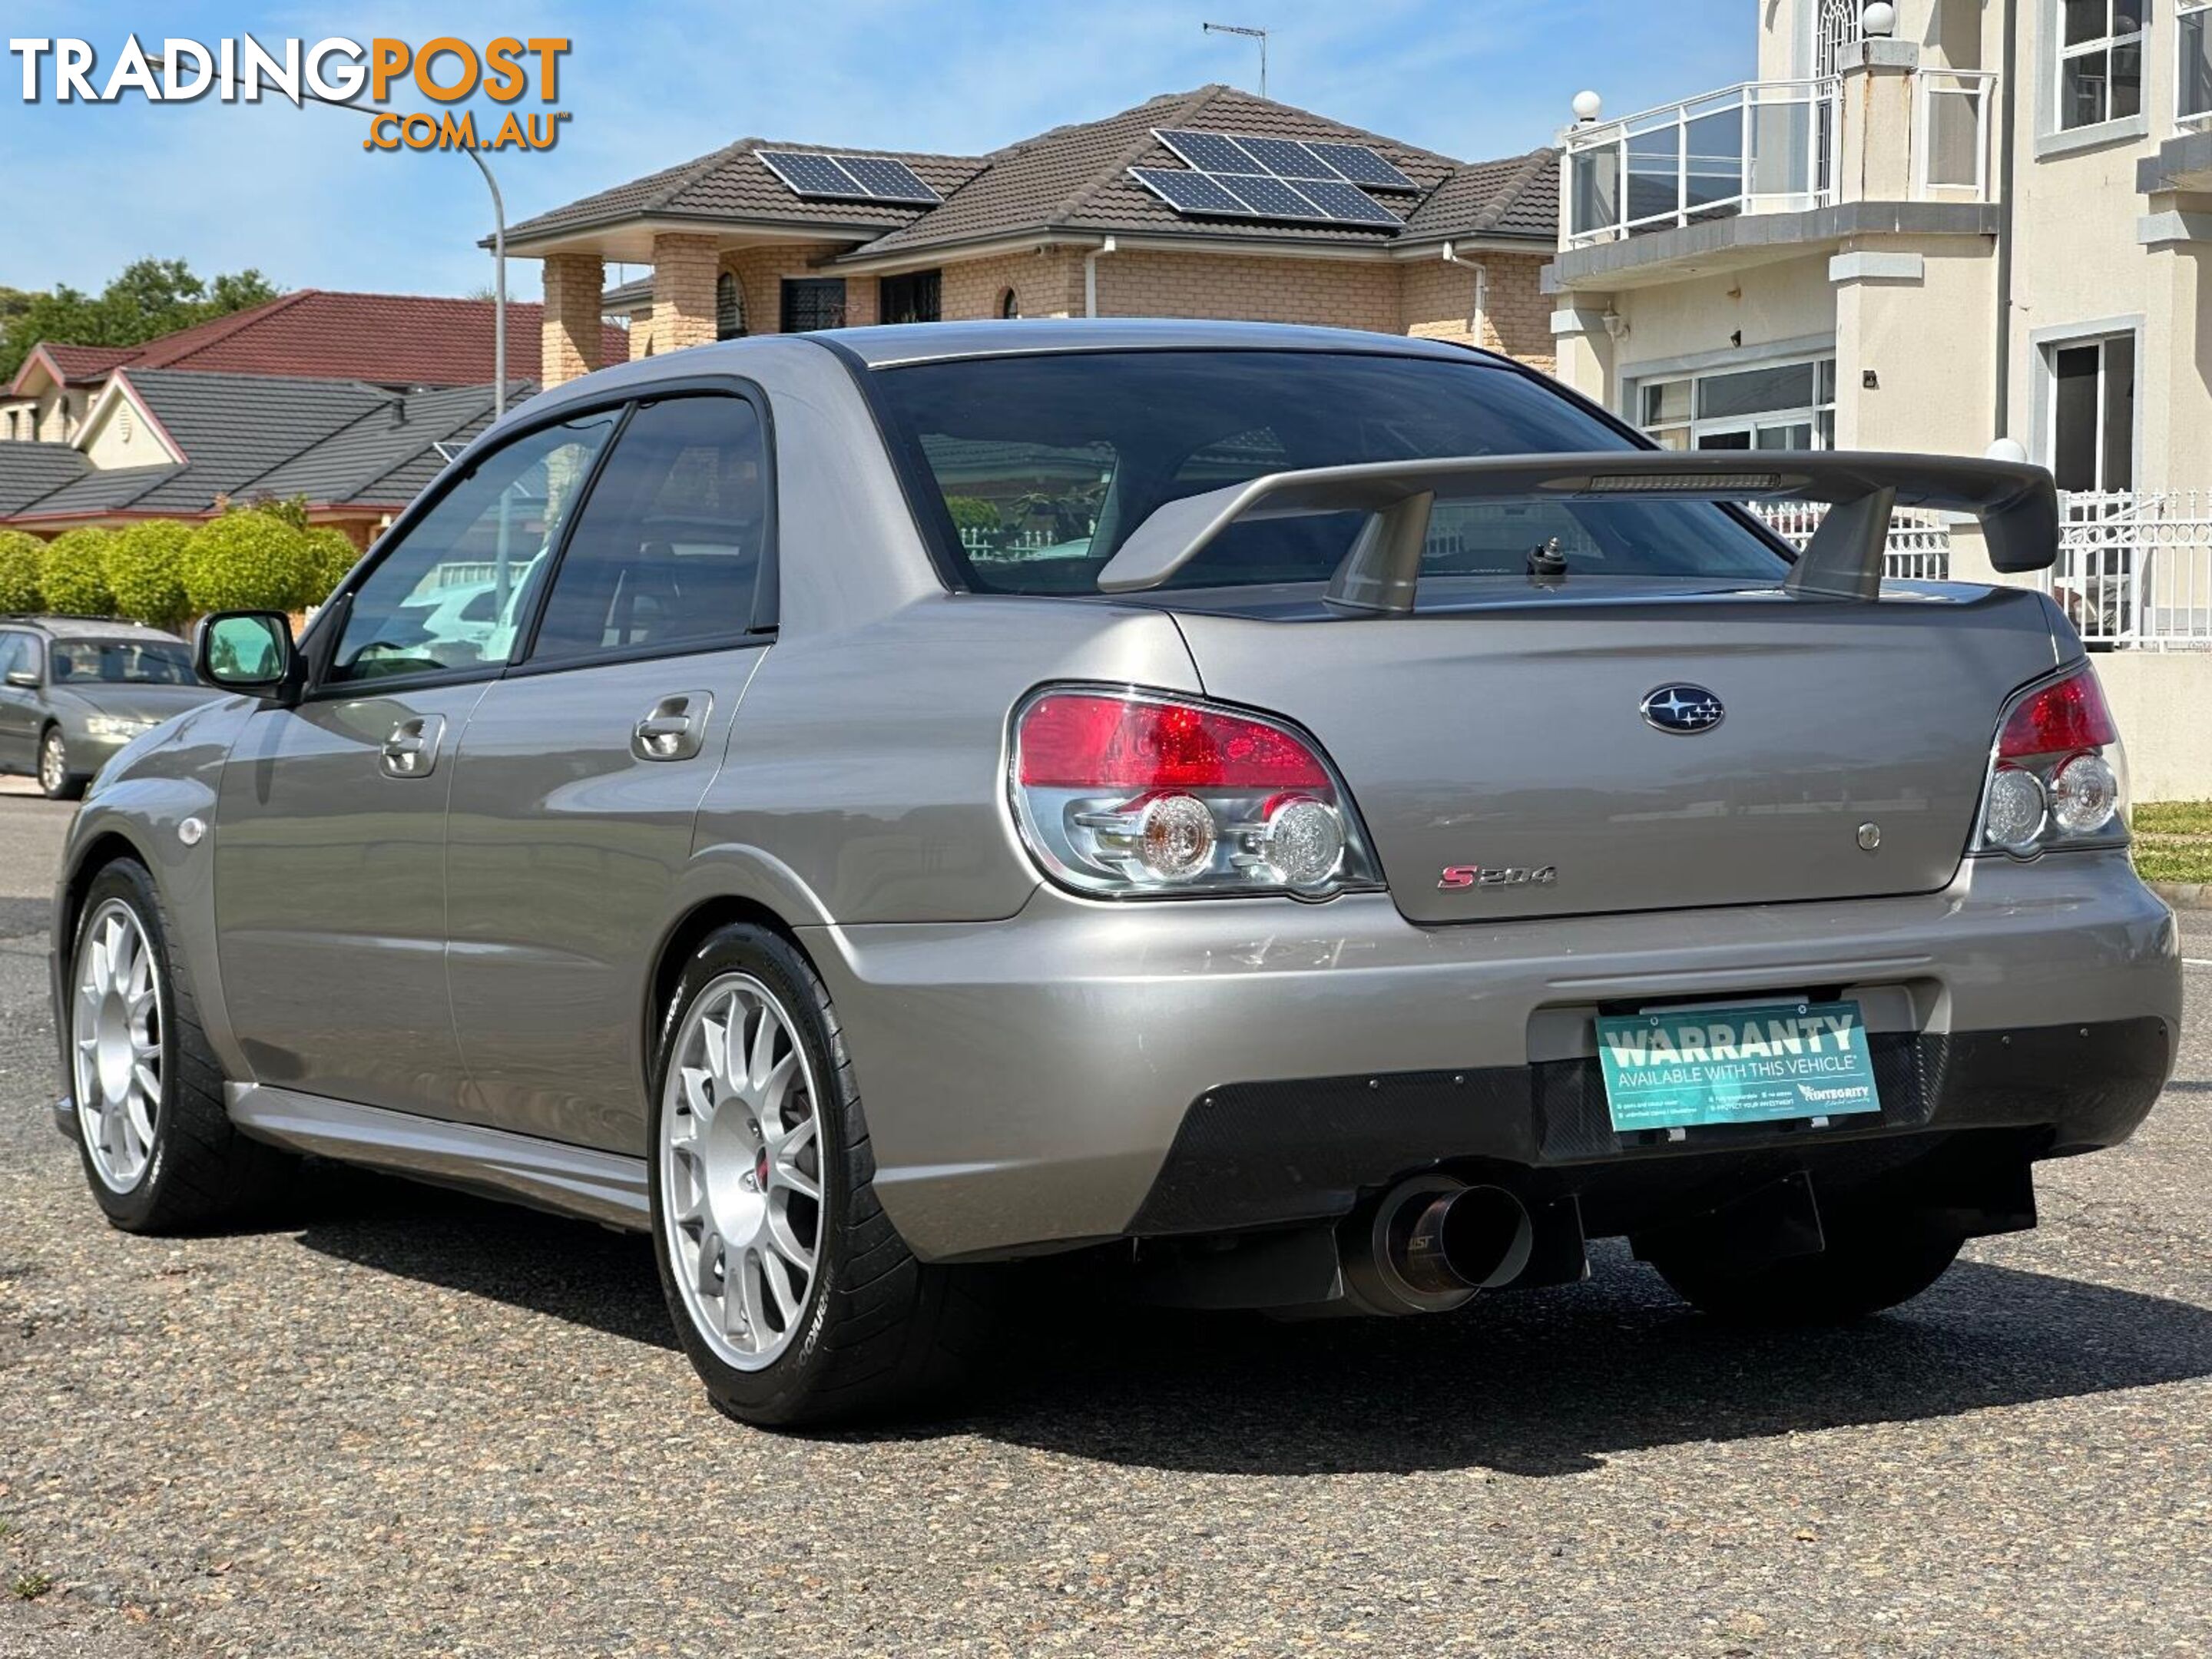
[(56, 780), (795, 1299), (158, 1149), (1871, 1263)]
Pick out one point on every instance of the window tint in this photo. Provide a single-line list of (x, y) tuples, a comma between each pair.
[(488, 535), (666, 549), (1047, 464)]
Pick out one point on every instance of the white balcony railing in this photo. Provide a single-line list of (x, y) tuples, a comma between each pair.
[(1761, 147)]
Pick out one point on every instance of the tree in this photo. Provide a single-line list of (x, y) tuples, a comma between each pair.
[(334, 554), (72, 573), (248, 561), (144, 563), (147, 297), (20, 553)]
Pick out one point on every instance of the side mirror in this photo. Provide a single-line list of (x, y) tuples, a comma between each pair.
[(248, 651), (25, 679)]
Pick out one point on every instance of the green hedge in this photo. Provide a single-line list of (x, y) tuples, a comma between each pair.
[(249, 561), (20, 552), (73, 574), (332, 554), (145, 566)]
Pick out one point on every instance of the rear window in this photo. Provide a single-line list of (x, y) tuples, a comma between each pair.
[(1043, 466)]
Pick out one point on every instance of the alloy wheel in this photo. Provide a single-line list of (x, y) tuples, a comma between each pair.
[(118, 1012), (53, 762), (744, 1202)]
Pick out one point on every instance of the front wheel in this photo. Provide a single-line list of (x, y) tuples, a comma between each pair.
[(794, 1297), (56, 780), (160, 1152), (1871, 1263)]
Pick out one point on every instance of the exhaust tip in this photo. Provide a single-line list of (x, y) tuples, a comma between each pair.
[(1432, 1243)]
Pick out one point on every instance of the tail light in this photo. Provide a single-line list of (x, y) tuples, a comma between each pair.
[(2058, 776), (1126, 794)]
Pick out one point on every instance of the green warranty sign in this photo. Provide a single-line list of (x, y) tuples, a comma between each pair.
[(1759, 1064)]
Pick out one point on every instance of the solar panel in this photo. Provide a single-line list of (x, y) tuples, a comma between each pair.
[(1346, 204), (888, 180), (1268, 198), (1188, 192), (1286, 159), (1363, 166), (849, 177), (1211, 152), (809, 174)]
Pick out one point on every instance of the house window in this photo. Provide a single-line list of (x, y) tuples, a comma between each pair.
[(2092, 412), (2193, 96), (916, 296), (729, 307), (1774, 406), (1010, 303), (2100, 61), (811, 302)]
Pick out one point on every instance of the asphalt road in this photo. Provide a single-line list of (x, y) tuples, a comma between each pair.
[(402, 1422)]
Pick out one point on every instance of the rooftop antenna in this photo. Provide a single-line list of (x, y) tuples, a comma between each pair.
[(1261, 35)]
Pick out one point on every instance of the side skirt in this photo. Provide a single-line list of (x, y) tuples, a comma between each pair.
[(576, 1180)]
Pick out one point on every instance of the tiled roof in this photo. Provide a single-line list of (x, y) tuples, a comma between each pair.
[(28, 470), (627, 297), (111, 491), (336, 442), (1076, 177), (735, 184), (388, 455), (386, 339), (79, 361), (1516, 197)]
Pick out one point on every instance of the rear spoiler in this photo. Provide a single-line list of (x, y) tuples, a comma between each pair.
[(2017, 506)]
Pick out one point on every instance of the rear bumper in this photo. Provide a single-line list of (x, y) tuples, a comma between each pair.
[(1086, 1071)]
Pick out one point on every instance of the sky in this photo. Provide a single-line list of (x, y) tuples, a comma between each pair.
[(85, 188)]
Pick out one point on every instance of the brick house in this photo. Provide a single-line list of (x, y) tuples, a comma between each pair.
[(1101, 218)]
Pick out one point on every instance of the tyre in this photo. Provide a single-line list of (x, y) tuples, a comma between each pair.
[(794, 1297), (158, 1146), (1871, 1263), (56, 780)]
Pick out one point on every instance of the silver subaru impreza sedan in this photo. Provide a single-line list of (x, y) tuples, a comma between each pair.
[(1320, 822)]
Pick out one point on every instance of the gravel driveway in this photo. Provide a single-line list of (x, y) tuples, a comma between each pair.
[(401, 1422)]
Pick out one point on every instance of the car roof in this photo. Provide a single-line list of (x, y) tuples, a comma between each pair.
[(87, 628), (884, 345)]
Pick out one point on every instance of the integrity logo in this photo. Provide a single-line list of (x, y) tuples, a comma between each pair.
[(336, 70)]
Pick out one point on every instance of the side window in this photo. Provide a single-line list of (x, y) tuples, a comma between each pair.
[(16, 655), (666, 550), (486, 543)]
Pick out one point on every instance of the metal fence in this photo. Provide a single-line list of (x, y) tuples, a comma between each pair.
[(1919, 543), (2134, 571)]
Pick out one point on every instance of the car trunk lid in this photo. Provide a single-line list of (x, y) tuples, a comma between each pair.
[(1507, 737)]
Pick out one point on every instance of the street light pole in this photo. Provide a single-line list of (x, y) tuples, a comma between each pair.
[(1261, 35)]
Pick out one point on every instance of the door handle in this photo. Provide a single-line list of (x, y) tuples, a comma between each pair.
[(673, 729), (411, 750)]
